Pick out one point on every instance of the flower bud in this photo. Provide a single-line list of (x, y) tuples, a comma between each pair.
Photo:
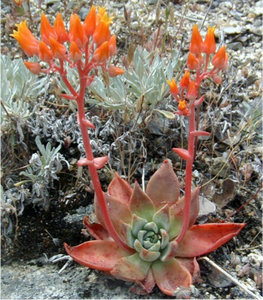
[(115, 71), (34, 68)]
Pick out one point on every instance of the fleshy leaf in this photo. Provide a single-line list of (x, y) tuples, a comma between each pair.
[(140, 204), (137, 224), (145, 286), (138, 246), (149, 256), (170, 251), (96, 230), (193, 267), (126, 234), (117, 211), (100, 255), (202, 239), (165, 238), (170, 275), (163, 187), (151, 226), (162, 219), (177, 211), (131, 268), (120, 189)]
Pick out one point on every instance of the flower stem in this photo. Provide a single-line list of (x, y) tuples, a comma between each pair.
[(92, 169), (188, 177)]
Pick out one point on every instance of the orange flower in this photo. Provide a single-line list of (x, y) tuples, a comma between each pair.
[(193, 63), (112, 45), (185, 80), (46, 30), (77, 33), (59, 27), (45, 53), (173, 87), (57, 49), (220, 59), (101, 12), (210, 43), (26, 39), (34, 68), (115, 71), (102, 31), (74, 52), (102, 53), (197, 44), (18, 2), (90, 21), (182, 105), (192, 91)]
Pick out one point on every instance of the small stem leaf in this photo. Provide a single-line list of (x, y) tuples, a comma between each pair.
[(184, 154), (100, 162), (88, 123), (199, 133)]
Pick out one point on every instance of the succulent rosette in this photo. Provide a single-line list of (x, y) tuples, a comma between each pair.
[(149, 222)]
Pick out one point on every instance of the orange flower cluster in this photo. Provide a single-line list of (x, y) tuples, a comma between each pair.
[(52, 45), (196, 62)]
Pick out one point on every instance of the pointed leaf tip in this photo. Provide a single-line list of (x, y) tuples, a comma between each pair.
[(183, 153)]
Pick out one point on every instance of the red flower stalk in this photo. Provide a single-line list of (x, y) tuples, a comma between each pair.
[(79, 44), (189, 90)]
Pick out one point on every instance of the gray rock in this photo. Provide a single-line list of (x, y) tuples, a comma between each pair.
[(235, 46), (83, 12)]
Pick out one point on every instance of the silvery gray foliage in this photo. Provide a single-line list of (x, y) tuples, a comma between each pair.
[(12, 205), (43, 170), (146, 79), (19, 92)]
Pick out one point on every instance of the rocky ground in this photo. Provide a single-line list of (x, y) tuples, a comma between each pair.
[(229, 168)]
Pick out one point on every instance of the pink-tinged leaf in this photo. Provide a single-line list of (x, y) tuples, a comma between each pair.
[(131, 268), (140, 204), (170, 275), (199, 133), (177, 212), (145, 286), (96, 230), (120, 189), (193, 267), (183, 153), (202, 239), (84, 162), (100, 255), (163, 187), (170, 251), (100, 162), (162, 218), (117, 211), (88, 123), (199, 101)]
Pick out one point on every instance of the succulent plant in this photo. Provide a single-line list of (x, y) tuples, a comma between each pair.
[(149, 224)]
